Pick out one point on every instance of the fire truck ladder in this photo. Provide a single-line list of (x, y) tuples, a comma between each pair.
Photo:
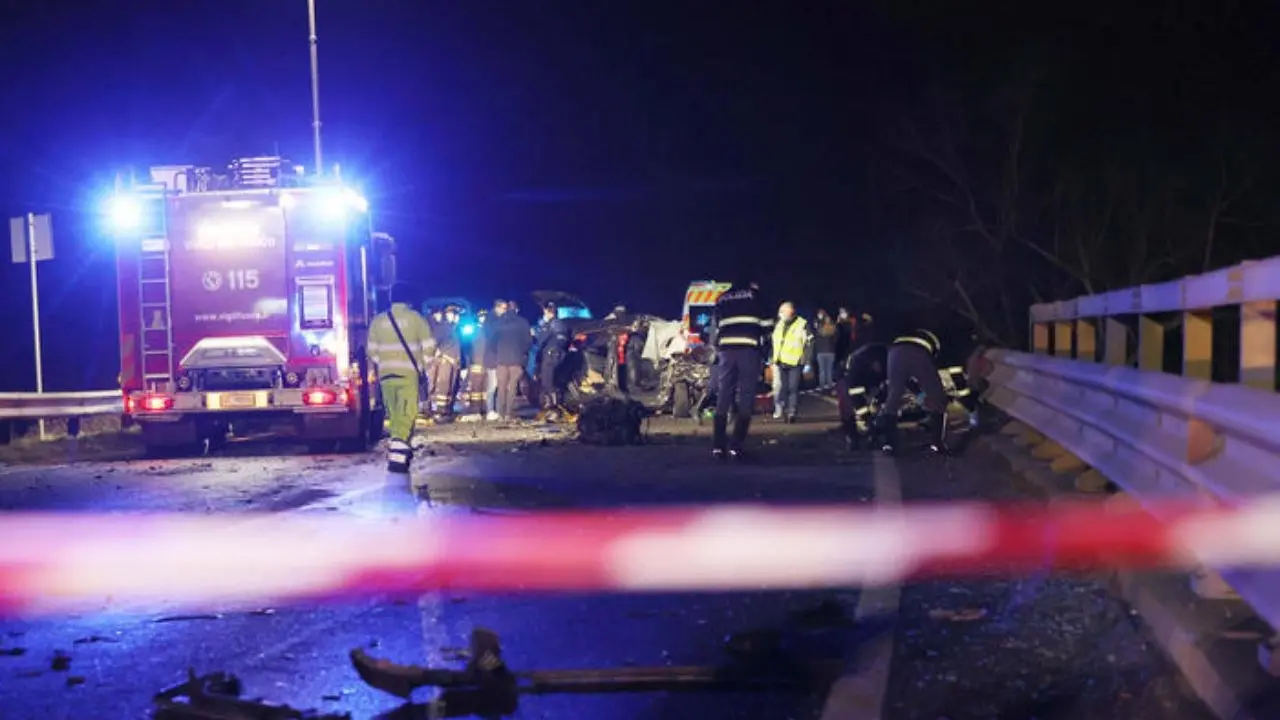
[(155, 307)]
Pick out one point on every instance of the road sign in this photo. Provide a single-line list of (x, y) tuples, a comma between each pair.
[(41, 228), (31, 240)]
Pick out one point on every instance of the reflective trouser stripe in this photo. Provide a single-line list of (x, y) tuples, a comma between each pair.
[(918, 341)]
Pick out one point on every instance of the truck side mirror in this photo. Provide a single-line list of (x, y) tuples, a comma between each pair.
[(384, 260)]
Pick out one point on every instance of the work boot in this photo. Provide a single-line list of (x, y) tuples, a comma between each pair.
[(718, 454), (399, 455), (937, 426)]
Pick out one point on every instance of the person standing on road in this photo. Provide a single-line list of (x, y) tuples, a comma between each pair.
[(913, 355), (740, 321), (477, 376), (790, 344), (509, 342), (399, 344), (844, 335), (444, 378), (553, 346), (490, 368), (824, 348)]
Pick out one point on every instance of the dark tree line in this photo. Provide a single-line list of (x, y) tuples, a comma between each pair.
[(1035, 175)]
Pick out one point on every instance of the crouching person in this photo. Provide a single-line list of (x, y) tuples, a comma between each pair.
[(399, 344)]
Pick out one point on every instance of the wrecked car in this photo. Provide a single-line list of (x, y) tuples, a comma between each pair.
[(605, 355)]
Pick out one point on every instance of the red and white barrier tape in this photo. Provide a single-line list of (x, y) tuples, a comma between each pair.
[(63, 563)]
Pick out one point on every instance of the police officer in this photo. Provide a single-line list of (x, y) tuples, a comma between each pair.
[(552, 345), (448, 362), (740, 321), (913, 355), (399, 344)]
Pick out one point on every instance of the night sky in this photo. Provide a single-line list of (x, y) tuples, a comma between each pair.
[(612, 149)]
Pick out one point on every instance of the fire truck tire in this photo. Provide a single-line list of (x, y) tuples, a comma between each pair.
[(681, 400)]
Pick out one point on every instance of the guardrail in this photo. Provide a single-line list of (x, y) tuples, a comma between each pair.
[(66, 404), (1099, 327), (1155, 431)]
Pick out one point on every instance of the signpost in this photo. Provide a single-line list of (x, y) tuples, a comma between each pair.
[(31, 240)]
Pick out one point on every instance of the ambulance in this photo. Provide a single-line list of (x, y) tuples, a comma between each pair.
[(699, 308)]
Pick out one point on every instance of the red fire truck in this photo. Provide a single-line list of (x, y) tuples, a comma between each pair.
[(245, 297)]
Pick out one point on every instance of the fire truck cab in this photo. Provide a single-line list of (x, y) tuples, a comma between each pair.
[(245, 298)]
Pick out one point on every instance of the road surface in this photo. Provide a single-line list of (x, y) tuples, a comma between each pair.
[(1044, 647)]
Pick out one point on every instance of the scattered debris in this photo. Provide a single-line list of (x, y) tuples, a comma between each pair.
[(61, 661), (217, 696), (74, 680), (487, 688), (962, 615), (12, 652), (95, 639), (611, 421), (186, 618)]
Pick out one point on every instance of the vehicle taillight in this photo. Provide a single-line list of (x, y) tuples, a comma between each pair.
[(157, 402), (324, 396)]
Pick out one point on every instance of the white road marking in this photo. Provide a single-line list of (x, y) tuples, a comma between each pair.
[(860, 694)]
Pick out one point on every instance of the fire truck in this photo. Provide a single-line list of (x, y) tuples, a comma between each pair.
[(245, 298)]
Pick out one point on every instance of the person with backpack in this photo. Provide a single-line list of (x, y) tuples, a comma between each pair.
[(399, 345)]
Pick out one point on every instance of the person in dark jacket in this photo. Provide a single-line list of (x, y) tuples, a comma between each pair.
[(825, 338), (552, 347), (844, 335), (913, 355), (507, 347), (740, 318)]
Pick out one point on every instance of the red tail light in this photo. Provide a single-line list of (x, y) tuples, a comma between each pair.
[(157, 402), (324, 396)]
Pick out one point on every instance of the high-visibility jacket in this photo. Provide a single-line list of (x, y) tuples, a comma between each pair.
[(387, 352), (790, 340)]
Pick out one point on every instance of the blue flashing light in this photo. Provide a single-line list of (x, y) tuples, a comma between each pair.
[(124, 213), (336, 204), (468, 330)]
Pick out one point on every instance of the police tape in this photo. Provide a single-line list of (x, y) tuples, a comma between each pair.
[(52, 563)]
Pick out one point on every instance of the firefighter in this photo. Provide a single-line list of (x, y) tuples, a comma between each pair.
[(448, 363), (477, 375), (913, 355), (552, 345), (860, 388), (740, 321), (399, 344), (790, 347)]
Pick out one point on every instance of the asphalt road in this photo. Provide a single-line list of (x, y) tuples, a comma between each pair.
[(1039, 647)]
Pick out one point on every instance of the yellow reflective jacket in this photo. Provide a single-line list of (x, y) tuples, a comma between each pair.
[(387, 352), (790, 340)]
